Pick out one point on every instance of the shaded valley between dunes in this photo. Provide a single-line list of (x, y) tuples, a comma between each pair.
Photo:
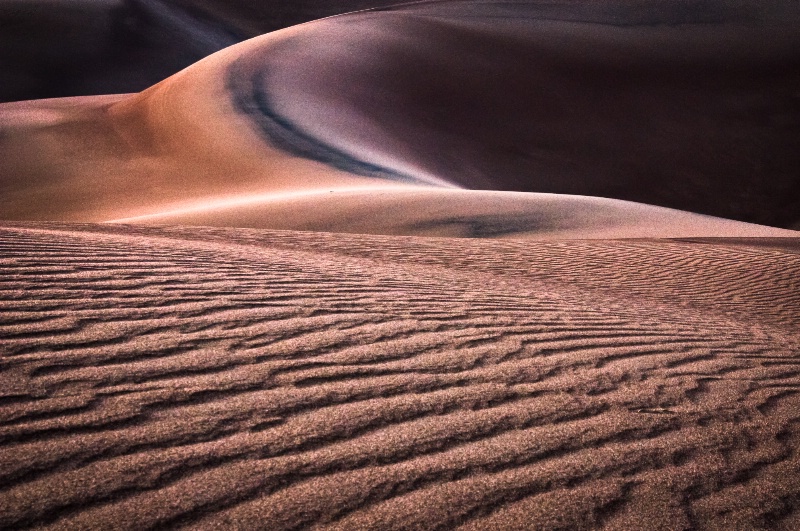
[(207, 378)]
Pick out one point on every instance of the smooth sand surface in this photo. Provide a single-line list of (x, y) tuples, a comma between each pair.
[(234, 378), (152, 158), (694, 109), (177, 144), (689, 105), (425, 211)]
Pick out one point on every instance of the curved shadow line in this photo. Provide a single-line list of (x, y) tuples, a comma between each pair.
[(253, 100), (491, 225)]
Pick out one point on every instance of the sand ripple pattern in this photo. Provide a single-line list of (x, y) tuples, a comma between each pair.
[(230, 378)]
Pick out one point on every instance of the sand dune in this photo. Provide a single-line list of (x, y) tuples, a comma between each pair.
[(442, 265), (425, 211), (206, 378), (691, 109), (688, 106)]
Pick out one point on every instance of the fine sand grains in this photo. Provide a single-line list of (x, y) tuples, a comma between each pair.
[(232, 378)]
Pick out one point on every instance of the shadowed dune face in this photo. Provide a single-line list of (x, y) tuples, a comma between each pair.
[(677, 106), (218, 378), (58, 48)]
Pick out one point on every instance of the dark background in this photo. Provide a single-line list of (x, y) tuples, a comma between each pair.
[(59, 48)]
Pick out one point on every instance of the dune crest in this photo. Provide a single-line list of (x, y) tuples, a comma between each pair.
[(691, 109), (413, 210)]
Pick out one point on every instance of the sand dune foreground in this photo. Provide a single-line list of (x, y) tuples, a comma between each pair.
[(233, 378)]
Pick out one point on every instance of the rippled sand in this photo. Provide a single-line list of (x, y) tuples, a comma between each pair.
[(450, 264), (232, 378)]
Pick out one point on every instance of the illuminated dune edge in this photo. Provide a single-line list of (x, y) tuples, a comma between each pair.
[(413, 210), (204, 378)]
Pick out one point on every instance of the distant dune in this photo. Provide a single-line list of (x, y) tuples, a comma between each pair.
[(60, 48), (228, 378)]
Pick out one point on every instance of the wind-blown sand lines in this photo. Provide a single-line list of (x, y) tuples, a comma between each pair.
[(232, 377), (383, 271)]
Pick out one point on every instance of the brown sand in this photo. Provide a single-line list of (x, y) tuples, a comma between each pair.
[(607, 365), (235, 378), (177, 144)]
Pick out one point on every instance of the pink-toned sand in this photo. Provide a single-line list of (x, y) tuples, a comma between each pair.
[(235, 378), (284, 288)]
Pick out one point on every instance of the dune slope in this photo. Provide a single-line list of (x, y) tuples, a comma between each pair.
[(684, 106), (428, 211), (231, 377), (689, 105)]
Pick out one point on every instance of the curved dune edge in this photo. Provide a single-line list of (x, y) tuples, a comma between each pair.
[(332, 200), (455, 213), (203, 378), (434, 94), (177, 143)]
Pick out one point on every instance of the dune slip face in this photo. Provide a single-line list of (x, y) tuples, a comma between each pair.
[(237, 378), (690, 105)]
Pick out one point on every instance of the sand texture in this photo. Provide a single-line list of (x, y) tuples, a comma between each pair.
[(450, 264), (232, 378)]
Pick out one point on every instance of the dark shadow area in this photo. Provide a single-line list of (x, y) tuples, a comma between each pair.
[(87, 47), (248, 91), (52, 49)]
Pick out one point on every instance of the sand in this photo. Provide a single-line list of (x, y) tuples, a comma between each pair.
[(690, 106), (233, 378), (692, 109), (427, 211), (444, 265)]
